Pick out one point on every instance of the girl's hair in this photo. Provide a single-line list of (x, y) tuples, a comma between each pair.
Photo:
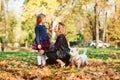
[(39, 18), (61, 28)]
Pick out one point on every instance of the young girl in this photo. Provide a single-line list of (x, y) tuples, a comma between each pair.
[(41, 39)]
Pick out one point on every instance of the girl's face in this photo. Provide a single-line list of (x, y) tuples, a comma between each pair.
[(43, 20)]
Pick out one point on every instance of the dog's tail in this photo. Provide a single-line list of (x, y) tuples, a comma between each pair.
[(85, 51)]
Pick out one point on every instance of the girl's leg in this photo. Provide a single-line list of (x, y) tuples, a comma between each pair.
[(43, 60), (39, 57)]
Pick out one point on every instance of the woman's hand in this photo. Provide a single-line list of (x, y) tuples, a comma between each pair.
[(39, 46)]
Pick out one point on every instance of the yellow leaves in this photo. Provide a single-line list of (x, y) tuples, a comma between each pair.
[(22, 69), (46, 71), (92, 69), (7, 76), (31, 8), (3, 62), (96, 70), (47, 7), (110, 60), (52, 3), (72, 68), (77, 76)]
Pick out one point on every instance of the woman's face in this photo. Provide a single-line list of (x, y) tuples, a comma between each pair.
[(56, 29)]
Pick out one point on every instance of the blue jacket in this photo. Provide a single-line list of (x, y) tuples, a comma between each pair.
[(41, 33)]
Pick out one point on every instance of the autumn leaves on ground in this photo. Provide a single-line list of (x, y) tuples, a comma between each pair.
[(104, 64)]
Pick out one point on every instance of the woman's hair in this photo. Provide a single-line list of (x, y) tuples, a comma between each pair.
[(61, 28), (39, 18)]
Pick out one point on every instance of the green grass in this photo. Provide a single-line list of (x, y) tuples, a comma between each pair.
[(103, 53), (20, 63), (19, 56), (91, 53)]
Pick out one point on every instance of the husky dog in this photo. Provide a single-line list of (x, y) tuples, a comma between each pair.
[(78, 59)]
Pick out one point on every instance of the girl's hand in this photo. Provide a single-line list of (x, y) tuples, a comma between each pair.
[(41, 52), (39, 46)]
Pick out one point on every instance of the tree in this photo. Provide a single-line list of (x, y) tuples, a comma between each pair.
[(0, 5), (3, 21), (114, 25), (53, 9), (87, 17), (71, 27), (12, 22), (28, 31), (5, 3), (48, 7)]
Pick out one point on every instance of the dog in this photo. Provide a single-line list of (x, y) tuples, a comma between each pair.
[(77, 59)]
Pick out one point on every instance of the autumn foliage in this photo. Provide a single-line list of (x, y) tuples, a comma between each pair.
[(23, 66)]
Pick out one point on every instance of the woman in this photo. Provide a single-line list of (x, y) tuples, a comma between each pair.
[(60, 52)]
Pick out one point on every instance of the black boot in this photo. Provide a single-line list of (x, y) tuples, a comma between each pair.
[(39, 66)]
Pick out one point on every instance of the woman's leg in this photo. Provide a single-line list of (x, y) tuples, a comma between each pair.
[(66, 60), (51, 56), (50, 61), (61, 62), (54, 59)]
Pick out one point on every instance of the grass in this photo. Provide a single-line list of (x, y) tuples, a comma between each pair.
[(104, 54), (24, 64), (19, 56)]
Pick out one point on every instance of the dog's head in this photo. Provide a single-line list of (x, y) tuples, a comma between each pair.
[(74, 51)]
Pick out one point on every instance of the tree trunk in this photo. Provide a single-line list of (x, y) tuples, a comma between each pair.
[(53, 26), (5, 7), (96, 24), (5, 15), (26, 44), (91, 27), (105, 27), (0, 5), (116, 46), (0, 46)]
